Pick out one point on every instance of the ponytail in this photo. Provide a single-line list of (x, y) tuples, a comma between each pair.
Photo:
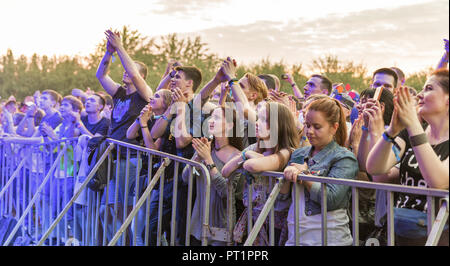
[(334, 113), (341, 132)]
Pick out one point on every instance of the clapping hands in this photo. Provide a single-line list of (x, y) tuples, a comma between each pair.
[(45, 129), (203, 148), (178, 96), (145, 115), (114, 40)]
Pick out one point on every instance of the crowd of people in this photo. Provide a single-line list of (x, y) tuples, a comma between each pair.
[(240, 127)]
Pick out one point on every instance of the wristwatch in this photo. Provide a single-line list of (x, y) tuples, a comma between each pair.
[(210, 166)]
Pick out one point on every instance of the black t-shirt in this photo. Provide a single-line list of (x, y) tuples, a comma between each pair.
[(168, 144), (410, 173), (126, 109), (100, 127), (53, 120)]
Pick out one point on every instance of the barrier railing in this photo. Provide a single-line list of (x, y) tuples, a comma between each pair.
[(130, 213), (435, 226), (38, 187), (26, 194)]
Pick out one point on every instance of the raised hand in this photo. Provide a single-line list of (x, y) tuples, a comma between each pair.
[(145, 115), (31, 110), (171, 64), (288, 78), (404, 103), (114, 39), (446, 45), (228, 69), (279, 96), (178, 96), (375, 119)]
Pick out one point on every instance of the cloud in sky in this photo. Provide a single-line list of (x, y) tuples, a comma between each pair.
[(185, 7), (406, 33), (409, 37)]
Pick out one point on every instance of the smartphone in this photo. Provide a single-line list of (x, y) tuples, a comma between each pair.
[(378, 92)]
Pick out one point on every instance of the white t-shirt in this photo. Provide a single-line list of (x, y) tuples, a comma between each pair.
[(310, 227)]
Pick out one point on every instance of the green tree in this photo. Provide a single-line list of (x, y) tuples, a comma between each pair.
[(342, 72)]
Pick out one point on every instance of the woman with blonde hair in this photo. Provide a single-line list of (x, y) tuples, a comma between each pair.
[(159, 103)]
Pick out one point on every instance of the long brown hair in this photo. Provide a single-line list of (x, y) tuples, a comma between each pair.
[(333, 113), (233, 134), (288, 137)]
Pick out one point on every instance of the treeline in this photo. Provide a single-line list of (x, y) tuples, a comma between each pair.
[(21, 76)]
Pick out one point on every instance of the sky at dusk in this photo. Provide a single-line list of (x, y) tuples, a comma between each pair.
[(404, 33)]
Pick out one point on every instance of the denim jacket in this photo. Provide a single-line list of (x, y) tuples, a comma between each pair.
[(332, 161)]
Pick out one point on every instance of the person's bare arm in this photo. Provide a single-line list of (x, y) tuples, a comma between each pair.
[(182, 136), (130, 67), (294, 86), (103, 70), (272, 162), (229, 72), (443, 62)]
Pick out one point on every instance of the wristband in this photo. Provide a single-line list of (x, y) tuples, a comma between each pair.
[(364, 128), (165, 118), (243, 156), (418, 139), (395, 147), (387, 137), (210, 166), (293, 84), (145, 127), (112, 56), (232, 81)]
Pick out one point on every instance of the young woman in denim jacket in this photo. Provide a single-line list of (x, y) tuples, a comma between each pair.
[(326, 131)]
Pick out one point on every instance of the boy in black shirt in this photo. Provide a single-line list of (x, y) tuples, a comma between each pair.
[(94, 124), (128, 99)]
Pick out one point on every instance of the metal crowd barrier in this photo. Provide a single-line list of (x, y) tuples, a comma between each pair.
[(35, 184), (129, 217), (435, 225), (27, 178)]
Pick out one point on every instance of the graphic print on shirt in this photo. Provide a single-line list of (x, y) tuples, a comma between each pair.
[(412, 177), (120, 109)]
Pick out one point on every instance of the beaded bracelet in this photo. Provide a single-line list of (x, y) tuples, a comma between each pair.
[(232, 81)]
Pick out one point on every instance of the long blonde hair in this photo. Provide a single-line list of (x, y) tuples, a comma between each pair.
[(257, 85), (167, 97)]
